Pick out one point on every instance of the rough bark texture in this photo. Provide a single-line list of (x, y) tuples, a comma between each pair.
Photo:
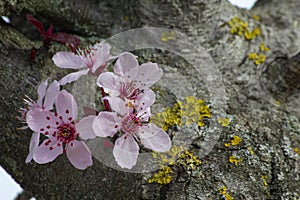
[(271, 130)]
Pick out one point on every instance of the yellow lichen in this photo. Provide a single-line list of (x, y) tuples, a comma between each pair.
[(234, 160), (188, 160), (249, 35), (227, 145), (256, 17), (168, 159), (240, 28), (257, 58), (250, 150), (297, 150), (190, 111), (263, 48), (163, 176), (166, 36), (252, 56), (265, 178), (235, 141), (223, 191), (224, 121), (261, 58), (237, 26)]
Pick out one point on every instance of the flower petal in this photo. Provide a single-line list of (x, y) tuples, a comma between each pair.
[(34, 143), (154, 138), (99, 70), (66, 106), (126, 61), (41, 121), (73, 76), (106, 124), (85, 127), (110, 83), (47, 152), (102, 54), (68, 60), (118, 105), (144, 115), (148, 74), (79, 154), (51, 95), (42, 92), (126, 151), (145, 99)]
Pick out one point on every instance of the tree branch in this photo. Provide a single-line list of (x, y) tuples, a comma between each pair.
[(268, 133)]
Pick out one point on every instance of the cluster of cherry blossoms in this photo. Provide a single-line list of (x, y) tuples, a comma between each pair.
[(127, 98)]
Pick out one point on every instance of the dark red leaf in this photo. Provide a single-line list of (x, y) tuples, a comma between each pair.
[(66, 39), (37, 24), (50, 31)]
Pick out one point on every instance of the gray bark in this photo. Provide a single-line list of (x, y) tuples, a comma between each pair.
[(271, 130)]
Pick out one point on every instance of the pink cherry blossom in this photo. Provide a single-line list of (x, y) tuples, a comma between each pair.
[(92, 60), (62, 132), (45, 101), (129, 79), (132, 123)]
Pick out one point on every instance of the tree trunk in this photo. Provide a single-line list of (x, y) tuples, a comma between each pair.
[(262, 100)]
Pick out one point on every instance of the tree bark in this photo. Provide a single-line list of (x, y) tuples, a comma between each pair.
[(262, 101)]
